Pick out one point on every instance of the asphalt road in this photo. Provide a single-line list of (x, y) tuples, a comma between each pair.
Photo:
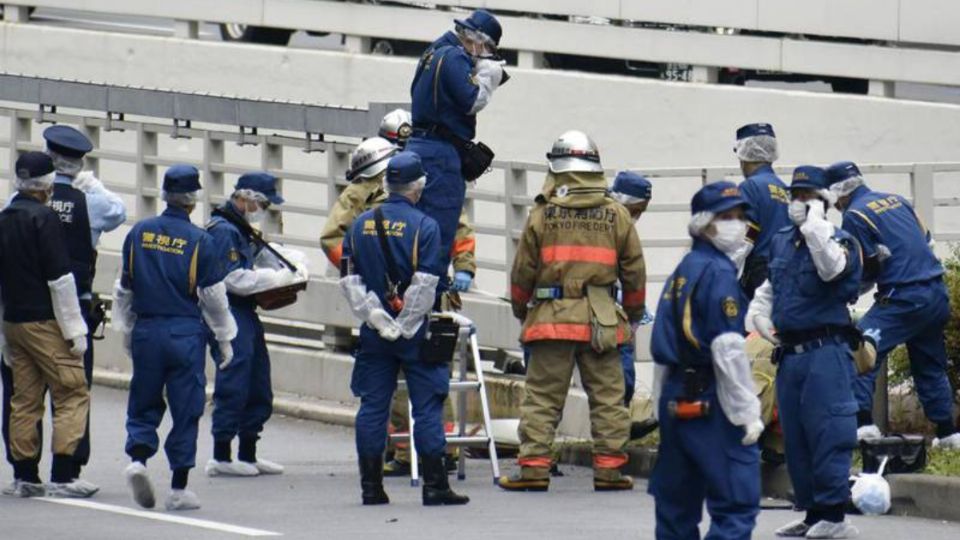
[(318, 497)]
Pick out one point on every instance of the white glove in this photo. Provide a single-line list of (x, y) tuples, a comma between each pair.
[(226, 354), (816, 210), (78, 346), (128, 343), (88, 183), (302, 273), (7, 357), (383, 323), (883, 252), (753, 431), (764, 327), (491, 70)]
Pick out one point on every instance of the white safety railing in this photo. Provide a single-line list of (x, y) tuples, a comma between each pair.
[(880, 40), (141, 145)]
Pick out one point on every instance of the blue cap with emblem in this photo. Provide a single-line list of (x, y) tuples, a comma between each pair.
[(261, 182), (67, 141), (181, 179), (483, 21), (842, 170), (632, 185), (717, 197), (404, 168), (753, 130), (809, 177)]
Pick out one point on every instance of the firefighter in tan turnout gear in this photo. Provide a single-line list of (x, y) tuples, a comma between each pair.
[(573, 250)]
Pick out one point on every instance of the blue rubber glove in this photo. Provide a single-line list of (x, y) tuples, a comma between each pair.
[(462, 281)]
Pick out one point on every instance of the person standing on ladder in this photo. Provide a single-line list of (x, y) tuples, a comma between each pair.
[(391, 267)]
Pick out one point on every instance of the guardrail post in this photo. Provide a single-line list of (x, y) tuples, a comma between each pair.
[(16, 13), (357, 44), (93, 133), (336, 338), (530, 59), (271, 159), (20, 129), (921, 184), (146, 172), (213, 180), (704, 74), (514, 184), (882, 89), (186, 29)]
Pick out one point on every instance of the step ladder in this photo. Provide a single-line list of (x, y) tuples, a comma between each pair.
[(468, 352)]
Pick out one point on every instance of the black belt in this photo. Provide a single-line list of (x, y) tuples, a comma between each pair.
[(696, 379), (543, 294), (799, 342)]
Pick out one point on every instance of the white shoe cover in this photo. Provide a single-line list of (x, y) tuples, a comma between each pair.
[(182, 499), (948, 443), (230, 468), (868, 433), (794, 529), (829, 529), (140, 485), (269, 467)]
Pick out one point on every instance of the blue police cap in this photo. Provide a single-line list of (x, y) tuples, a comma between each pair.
[(482, 20), (842, 170), (404, 168), (261, 182), (632, 184), (809, 177), (33, 165), (753, 130), (717, 197), (181, 179), (67, 141)]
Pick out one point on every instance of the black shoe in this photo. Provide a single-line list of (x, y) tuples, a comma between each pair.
[(436, 488), (371, 481), (555, 471), (639, 430), (395, 468)]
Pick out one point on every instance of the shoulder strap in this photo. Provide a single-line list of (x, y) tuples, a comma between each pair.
[(392, 273), (255, 236)]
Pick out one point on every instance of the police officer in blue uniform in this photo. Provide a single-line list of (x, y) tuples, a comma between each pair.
[(756, 148), (243, 397), (391, 267), (703, 388), (815, 273), (455, 79), (634, 192), (911, 305), (171, 283)]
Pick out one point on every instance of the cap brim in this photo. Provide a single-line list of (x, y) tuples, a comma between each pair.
[(275, 199), (465, 23), (804, 185), (729, 205)]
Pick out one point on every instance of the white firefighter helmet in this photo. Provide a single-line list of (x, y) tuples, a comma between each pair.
[(370, 158), (574, 151), (396, 126)]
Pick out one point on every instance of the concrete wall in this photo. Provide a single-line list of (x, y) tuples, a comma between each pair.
[(638, 123)]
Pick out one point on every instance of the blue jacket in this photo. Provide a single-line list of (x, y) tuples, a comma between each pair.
[(412, 237), (701, 300), (803, 301), (234, 249), (768, 197), (165, 260), (444, 90), (875, 218)]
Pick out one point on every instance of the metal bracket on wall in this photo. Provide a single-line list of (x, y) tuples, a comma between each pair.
[(179, 124), (248, 136), (111, 118), (315, 143), (43, 111)]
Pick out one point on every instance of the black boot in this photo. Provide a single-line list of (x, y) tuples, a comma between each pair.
[(436, 488), (371, 480)]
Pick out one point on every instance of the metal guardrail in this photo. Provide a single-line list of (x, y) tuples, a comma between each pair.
[(323, 305), (918, 30)]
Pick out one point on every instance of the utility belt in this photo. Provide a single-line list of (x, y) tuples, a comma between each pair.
[(545, 294), (696, 381), (802, 341), (475, 157)]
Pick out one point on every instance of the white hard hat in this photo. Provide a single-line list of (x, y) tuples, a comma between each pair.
[(574, 151), (396, 126), (370, 158)]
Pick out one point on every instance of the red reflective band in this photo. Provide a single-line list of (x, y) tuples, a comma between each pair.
[(587, 254), (610, 461), (335, 254), (519, 294), (635, 298), (466, 245), (564, 332), (543, 462)]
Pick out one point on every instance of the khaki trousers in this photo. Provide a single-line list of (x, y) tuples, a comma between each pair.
[(40, 358), (545, 392)]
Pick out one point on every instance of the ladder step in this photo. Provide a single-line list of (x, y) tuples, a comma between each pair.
[(468, 441), (455, 386)]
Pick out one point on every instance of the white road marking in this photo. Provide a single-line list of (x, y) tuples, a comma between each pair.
[(156, 516)]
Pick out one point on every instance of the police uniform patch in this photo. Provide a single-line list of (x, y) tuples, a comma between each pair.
[(730, 307), (233, 255)]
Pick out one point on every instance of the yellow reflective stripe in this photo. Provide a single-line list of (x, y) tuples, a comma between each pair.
[(130, 262), (865, 218), (688, 324), (436, 80), (193, 270), (416, 249)]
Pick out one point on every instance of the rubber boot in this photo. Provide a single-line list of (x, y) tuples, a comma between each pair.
[(436, 488), (528, 479), (371, 481)]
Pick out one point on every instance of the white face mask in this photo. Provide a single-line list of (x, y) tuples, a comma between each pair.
[(731, 235), (798, 212), (255, 216)]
